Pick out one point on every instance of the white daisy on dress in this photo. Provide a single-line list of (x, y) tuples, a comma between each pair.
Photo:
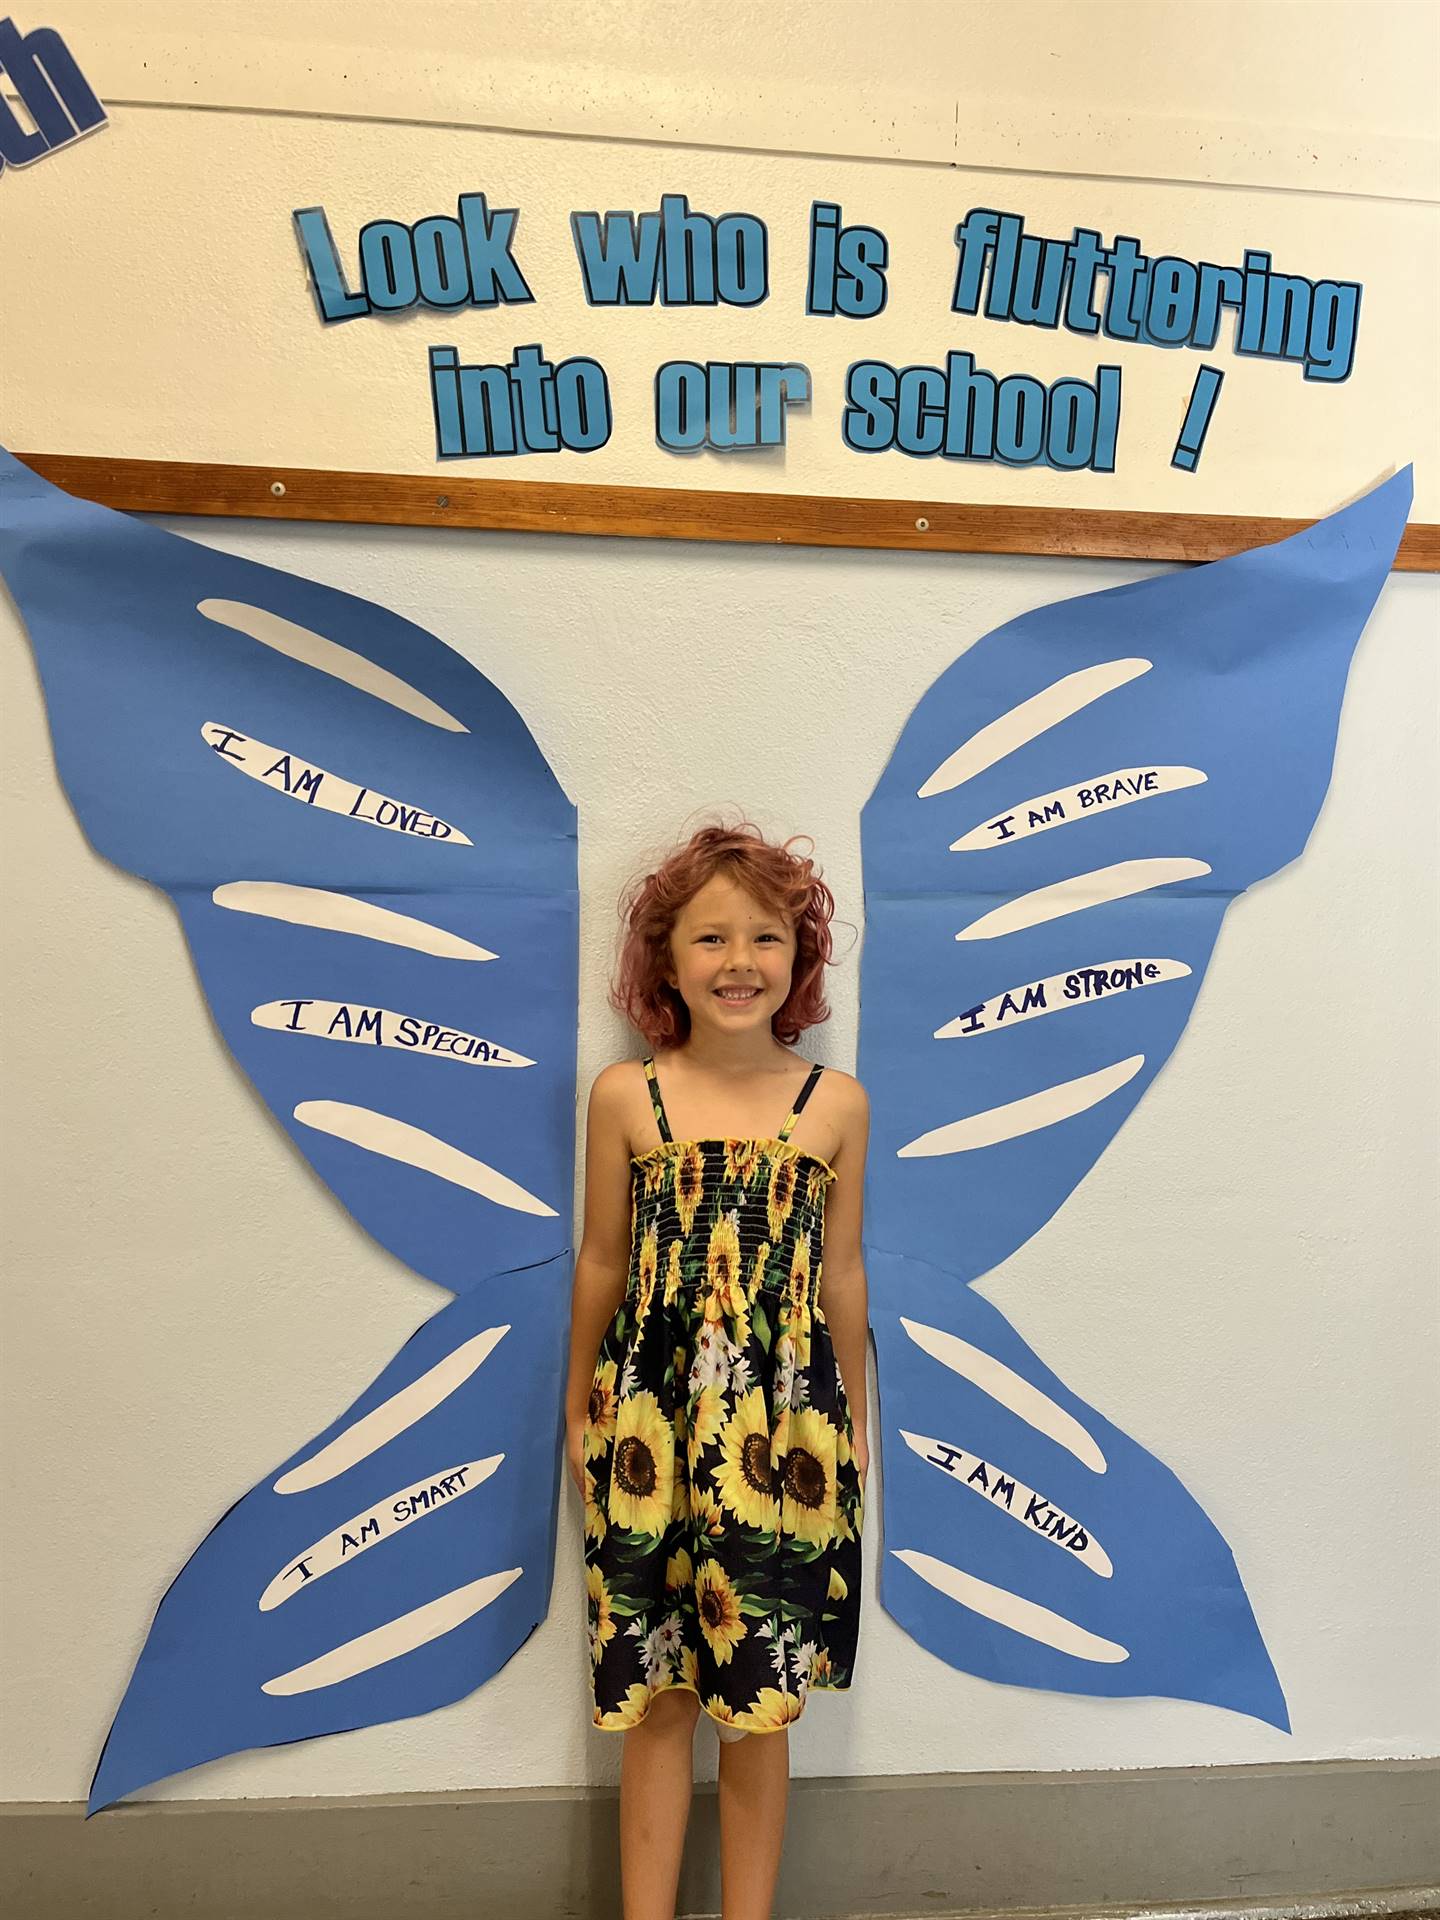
[(777, 1651), (803, 1658), (660, 1647), (784, 1369), (711, 1365)]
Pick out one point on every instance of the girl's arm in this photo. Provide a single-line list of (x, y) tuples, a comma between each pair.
[(603, 1262), (843, 1293)]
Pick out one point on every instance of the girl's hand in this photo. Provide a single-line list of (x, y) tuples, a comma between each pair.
[(862, 1454), (575, 1453)]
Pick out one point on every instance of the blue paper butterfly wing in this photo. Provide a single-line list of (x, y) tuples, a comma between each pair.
[(403, 996), (1149, 752), (391, 1617), (1128, 1619)]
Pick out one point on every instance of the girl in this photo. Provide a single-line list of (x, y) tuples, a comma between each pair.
[(719, 1442)]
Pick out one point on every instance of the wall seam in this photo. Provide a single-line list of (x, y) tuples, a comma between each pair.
[(1194, 182)]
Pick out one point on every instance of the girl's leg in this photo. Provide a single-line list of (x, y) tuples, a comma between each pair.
[(754, 1787), (657, 1772)]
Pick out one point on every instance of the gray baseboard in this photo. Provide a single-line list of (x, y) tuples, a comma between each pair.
[(1326, 1837)]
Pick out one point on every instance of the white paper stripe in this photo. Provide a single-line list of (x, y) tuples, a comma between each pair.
[(1035, 998), (380, 1426), (328, 656), (1034, 716), (1034, 1511), (287, 773), (1008, 1389), (343, 913), (368, 1026), (1094, 889), (1013, 1610), (1017, 1117), (1067, 805), (399, 1636), (397, 1140), (379, 1521)]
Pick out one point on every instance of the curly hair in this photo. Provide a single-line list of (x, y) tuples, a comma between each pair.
[(787, 883)]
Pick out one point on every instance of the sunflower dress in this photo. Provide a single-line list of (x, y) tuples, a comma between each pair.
[(723, 1506)]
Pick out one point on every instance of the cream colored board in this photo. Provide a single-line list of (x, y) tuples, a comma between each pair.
[(1335, 98)]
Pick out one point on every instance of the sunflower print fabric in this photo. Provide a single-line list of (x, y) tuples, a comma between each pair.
[(723, 1507)]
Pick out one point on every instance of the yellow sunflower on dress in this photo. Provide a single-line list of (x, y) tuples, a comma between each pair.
[(672, 1275), (707, 1419), (745, 1475), (689, 1670), (649, 1266), (821, 1671), (807, 1477), (837, 1590), (798, 1288), (679, 1572), (742, 1157), (689, 1185), (757, 1268), (769, 1711), (642, 1472), (600, 1414), (601, 1621), (656, 1166), (781, 1195), (718, 1608), (818, 1176), (724, 1293), (795, 1314), (707, 1516), (719, 1708), (631, 1710)]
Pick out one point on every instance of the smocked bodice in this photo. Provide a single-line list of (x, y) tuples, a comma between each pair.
[(726, 1216)]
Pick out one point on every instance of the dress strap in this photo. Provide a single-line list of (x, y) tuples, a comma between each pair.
[(799, 1106), (657, 1104)]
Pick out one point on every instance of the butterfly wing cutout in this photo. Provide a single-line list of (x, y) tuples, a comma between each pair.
[(375, 869), (1048, 857)]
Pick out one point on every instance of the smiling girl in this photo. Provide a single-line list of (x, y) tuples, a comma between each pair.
[(719, 1439)]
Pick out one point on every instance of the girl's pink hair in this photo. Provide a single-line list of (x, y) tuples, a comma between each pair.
[(785, 882)]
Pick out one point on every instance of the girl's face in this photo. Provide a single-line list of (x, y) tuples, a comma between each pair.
[(731, 958)]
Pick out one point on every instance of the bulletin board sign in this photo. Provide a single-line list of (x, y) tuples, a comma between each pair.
[(608, 336)]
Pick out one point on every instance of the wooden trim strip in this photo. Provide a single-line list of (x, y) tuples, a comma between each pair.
[(672, 513)]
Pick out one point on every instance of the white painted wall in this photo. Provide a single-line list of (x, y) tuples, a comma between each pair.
[(1246, 1283)]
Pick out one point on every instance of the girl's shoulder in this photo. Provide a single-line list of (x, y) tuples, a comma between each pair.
[(620, 1069), (842, 1088), (845, 1105), (620, 1099), (617, 1082)]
